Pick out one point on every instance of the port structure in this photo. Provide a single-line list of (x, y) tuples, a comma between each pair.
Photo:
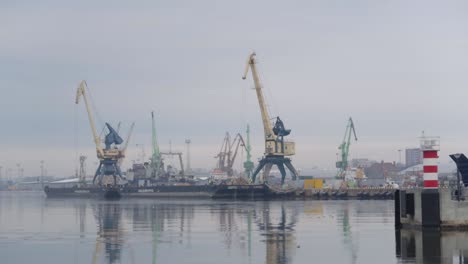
[(342, 164), (248, 164), (82, 171), (181, 163), (111, 156), (228, 153), (157, 164), (276, 148)]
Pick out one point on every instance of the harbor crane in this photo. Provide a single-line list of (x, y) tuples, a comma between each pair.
[(181, 163), (157, 165), (110, 156), (276, 148), (342, 164), (227, 154)]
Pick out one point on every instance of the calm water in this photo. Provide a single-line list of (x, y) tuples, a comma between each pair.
[(34, 229)]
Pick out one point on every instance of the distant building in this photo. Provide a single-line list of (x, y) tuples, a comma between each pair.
[(378, 173), (416, 170), (362, 163), (413, 156)]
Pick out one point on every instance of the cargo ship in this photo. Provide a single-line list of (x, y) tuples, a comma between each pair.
[(211, 191)]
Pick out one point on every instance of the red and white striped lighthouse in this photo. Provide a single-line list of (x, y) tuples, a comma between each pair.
[(430, 148)]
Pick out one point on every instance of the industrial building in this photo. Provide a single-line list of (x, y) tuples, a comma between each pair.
[(413, 156)]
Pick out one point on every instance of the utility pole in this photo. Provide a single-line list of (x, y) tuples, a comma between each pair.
[(188, 141)]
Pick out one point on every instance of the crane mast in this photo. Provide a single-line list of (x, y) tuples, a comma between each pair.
[(81, 91), (342, 164), (275, 147), (268, 129)]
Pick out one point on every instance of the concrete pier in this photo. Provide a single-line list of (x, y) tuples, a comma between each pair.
[(422, 208), (350, 193), (431, 246)]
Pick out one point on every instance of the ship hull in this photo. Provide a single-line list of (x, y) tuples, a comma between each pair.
[(83, 192), (251, 191)]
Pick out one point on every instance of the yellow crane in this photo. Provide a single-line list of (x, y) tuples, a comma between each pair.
[(276, 148), (110, 156), (81, 92)]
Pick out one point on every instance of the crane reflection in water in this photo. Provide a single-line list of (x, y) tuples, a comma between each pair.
[(274, 223), (110, 235), (279, 233), (261, 231), (431, 246)]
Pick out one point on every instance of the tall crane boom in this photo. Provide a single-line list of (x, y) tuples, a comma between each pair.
[(342, 165), (274, 144), (81, 91), (268, 129)]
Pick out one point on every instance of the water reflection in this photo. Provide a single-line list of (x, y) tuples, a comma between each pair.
[(349, 241), (431, 246), (236, 224), (198, 231), (110, 236), (280, 235)]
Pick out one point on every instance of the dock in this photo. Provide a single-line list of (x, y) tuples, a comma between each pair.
[(350, 193)]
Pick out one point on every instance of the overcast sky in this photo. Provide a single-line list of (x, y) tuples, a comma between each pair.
[(396, 67)]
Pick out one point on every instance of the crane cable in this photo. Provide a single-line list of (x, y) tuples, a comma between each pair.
[(270, 102), (100, 121)]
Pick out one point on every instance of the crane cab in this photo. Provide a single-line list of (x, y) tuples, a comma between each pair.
[(289, 148), (273, 147)]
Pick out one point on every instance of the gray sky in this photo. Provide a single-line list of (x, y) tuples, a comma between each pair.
[(396, 67)]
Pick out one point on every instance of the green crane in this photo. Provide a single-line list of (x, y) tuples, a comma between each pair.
[(156, 161), (342, 164), (248, 164)]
